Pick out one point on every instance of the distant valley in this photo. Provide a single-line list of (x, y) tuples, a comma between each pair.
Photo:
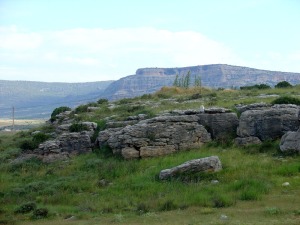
[(38, 99)]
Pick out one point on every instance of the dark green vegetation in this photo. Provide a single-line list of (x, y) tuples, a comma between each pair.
[(287, 100), (256, 86), (283, 84), (98, 188), (57, 111)]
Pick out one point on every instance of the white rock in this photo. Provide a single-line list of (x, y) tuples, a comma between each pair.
[(285, 184), (223, 217)]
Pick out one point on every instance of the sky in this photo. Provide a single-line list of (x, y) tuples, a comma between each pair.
[(96, 40)]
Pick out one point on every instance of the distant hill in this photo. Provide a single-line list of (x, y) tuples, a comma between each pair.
[(148, 80), (38, 99)]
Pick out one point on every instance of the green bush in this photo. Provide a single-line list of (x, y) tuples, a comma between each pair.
[(26, 208), (34, 142), (78, 127), (102, 101), (28, 145), (40, 213), (256, 86), (286, 100), (283, 84), (81, 109), (58, 111)]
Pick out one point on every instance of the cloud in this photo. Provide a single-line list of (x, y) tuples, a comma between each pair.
[(12, 39), (102, 54)]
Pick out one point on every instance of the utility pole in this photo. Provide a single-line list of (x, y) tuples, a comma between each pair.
[(13, 117)]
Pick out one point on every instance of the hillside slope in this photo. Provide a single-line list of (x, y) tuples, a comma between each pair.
[(36, 99)]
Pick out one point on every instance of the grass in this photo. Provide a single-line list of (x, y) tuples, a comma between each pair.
[(97, 188), (133, 185)]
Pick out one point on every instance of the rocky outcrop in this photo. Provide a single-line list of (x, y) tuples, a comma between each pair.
[(155, 137), (269, 123), (221, 123), (64, 145), (290, 142), (208, 164)]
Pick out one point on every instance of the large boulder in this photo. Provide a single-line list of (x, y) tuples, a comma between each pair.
[(156, 137), (269, 123), (290, 142), (208, 164)]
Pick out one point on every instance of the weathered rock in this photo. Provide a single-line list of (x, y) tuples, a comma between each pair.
[(63, 146), (216, 110), (48, 147), (75, 143), (219, 125), (255, 106), (270, 123), (92, 109), (116, 124), (208, 164), (155, 137), (247, 141), (130, 153), (63, 128), (104, 135), (290, 142)]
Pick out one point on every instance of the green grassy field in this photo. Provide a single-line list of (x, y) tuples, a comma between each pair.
[(99, 188)]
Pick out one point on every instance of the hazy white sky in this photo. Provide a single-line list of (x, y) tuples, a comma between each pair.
[(93, 40)]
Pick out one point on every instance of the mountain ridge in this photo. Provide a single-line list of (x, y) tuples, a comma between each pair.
[(34, 99), (214, 75)]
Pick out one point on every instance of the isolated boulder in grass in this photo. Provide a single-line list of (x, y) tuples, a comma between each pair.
[(290, 142), (208, 164)]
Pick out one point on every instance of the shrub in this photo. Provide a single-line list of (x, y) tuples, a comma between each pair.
[(26, 208), (256, 86), (58, 111), (40, 213), (81, 109), (31, 144), (40, 137), (78, 127), (102, 101), (28, 145), (286, 100), (283, 84)]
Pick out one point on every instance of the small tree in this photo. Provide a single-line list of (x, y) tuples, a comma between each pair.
[(187, 80), (176, 81), (283, 84)]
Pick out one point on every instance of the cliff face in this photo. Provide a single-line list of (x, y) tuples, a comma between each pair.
[(148, 80)]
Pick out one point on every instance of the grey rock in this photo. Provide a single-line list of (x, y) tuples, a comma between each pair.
[(208, 164), (130, 153), (269, 123), (92, 109), (247, 141), (35, 132), (155, 137), (216, 110), (63, 128), (220, 125), (255, 106), (116, 124), (290, 142), (75, 143)]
